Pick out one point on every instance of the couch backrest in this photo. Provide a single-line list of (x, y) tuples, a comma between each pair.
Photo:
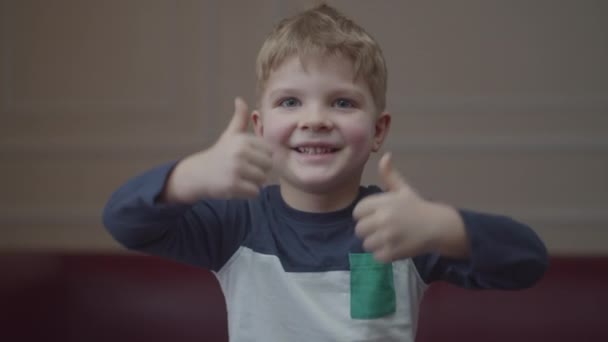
[(88, 297), (566, 305)]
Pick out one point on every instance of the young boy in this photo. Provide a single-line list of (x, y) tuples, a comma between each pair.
[(317, 257)]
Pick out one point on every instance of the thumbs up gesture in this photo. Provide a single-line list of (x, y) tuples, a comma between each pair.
[(237, 165), (397, 223)]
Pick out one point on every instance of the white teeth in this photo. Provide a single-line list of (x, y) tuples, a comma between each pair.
[(314, 150)]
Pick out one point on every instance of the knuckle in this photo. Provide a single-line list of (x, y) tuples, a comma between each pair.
[(266, 165), (234, 176), (382, 217), (389, 237), (387, 216), (240, 152)]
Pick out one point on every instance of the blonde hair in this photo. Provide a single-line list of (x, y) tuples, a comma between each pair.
[(324, 31)]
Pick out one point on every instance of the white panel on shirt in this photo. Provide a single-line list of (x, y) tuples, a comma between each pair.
[(265, 303)]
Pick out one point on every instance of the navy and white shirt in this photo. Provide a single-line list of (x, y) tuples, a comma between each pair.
[(289, 275)]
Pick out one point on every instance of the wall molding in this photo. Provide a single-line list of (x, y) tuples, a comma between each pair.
[(211, 69), (499, 144), (80, 150), (6, 52), (87, 215), (510, 103), (90, 107), (94, 151), (555, 104)]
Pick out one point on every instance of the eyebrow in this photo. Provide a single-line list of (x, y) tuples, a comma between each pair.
[(348, 92), (292, 91), (345, 91)]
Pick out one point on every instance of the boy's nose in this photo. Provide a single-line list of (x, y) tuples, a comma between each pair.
[(316, 120)]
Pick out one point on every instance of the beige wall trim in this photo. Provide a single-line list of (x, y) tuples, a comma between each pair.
[(92, 215), (437, 105), (445, 146), (482, 104), (6, 46), (83, 151), (91, 107), (499, 144)]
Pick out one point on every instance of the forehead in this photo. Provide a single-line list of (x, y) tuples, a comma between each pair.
[(315, 70)]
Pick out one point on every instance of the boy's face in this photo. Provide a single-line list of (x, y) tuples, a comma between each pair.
[(322, 123)]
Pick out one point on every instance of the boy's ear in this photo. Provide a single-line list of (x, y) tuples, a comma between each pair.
[(258, 128), (383, 123)]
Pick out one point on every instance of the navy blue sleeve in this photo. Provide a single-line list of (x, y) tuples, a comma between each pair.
[(205, 234), (505, 254)]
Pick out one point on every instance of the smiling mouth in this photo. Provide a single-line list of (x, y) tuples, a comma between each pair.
[(315, 150)]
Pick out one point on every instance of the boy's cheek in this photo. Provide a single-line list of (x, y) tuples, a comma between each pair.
[(275, 138), (277, 132), (358, 135)]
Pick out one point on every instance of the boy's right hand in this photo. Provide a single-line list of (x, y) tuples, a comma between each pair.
[(237, 165)]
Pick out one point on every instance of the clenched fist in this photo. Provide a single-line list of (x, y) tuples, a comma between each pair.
[(236, 166)]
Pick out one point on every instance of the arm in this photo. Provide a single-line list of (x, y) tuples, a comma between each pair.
[(162, 211), (469, 249), (134, 217), (503, 254), (194, 234)]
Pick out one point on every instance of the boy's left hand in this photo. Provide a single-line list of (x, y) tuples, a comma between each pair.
[(398, 223)]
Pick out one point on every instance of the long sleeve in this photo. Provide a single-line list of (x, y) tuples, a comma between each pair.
[(204, 234), (505, 254)]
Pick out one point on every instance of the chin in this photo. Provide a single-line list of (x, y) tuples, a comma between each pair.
[(316, 186), (320, 183)]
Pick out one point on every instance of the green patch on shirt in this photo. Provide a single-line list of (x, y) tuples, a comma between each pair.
[(372, 289)]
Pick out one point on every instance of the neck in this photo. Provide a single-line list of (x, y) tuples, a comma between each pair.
[(327, 200)]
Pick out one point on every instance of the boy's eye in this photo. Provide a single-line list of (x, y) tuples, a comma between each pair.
[(344, 103), (289, 102)]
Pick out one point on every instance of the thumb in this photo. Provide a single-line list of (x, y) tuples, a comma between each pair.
[(240, 119), (391, 178)]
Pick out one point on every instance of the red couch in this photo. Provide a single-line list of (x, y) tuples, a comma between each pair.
[(83, 297)]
